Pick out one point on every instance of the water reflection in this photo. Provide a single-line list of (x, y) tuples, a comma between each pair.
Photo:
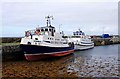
[(95, 67), (96, 62)]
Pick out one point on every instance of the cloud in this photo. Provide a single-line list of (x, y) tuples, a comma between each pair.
[(89, 16), (60, 1)]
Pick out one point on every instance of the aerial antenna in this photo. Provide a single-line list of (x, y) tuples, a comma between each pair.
[(103, 29), (60, 27), (48, 20), (79, 29)]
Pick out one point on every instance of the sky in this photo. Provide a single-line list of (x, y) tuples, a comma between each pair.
[(92, 17)]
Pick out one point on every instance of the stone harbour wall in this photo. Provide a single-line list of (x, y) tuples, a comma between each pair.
[(10, 49), (12, 53), (104, 41), (10, 39)]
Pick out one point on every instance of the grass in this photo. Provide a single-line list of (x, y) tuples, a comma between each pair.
[(9, 44)]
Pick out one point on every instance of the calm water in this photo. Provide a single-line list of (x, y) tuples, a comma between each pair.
[(96, 62), (108, 50)]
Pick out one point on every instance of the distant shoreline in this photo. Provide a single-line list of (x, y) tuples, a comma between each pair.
[(97, 40), (11, 37)]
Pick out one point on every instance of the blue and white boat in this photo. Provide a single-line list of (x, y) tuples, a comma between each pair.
[(81, 41), (45, 42)]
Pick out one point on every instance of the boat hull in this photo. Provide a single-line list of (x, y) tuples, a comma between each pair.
[(83, 47), (34, 52)]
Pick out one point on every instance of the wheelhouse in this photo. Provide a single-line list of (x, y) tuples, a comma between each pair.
[(50, 31)]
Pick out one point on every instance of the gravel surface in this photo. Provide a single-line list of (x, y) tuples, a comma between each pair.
[(68, 66)]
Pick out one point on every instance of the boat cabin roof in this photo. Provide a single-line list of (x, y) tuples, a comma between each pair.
[(41, 29), (50, 27), (78, 33)]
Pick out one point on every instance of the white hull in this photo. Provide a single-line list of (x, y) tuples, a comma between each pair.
[(81, 41), (81, 47)]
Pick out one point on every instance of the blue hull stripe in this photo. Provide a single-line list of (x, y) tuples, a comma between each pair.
[(33, 49)]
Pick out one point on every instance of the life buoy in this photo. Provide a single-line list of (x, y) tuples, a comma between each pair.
[(37, 32), (27, 34)]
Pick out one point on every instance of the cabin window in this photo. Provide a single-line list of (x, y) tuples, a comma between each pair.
[(46, 29), (54, 30), (36, 38), (57, 39), (49, 29), (64, 42), (42, 29), (47, 41), (29, 42)]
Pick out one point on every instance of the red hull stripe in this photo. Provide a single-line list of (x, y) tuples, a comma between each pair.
[(63, 53), (31, 57)]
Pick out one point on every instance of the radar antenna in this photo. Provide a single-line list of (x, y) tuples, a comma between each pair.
[(48, 18)]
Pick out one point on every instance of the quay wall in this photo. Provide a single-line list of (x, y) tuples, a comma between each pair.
[(105, 41), (10, 39), (12, 52)]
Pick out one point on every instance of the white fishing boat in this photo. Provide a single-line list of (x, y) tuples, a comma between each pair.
[(45, 42), (81, 41)]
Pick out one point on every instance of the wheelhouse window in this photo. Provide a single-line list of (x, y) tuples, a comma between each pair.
[(42, 29), (46, 29), (50, 30)]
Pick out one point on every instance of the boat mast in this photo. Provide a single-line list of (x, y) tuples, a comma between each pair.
[(48, 20)]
